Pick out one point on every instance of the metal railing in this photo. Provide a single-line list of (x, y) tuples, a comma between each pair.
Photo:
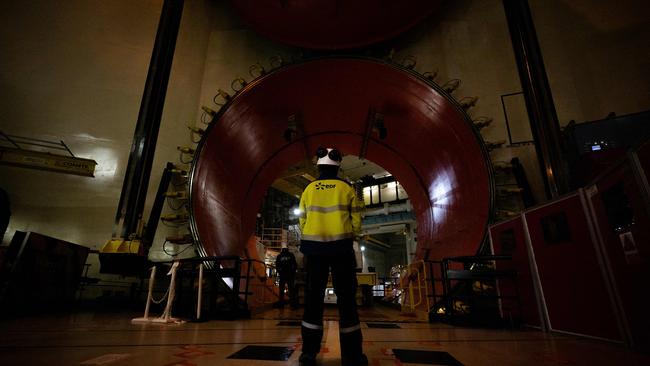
[(266, 285), (227, 267), (416, 280), (481, 269)]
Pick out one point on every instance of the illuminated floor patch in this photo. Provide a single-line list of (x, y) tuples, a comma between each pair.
[(425, 357), (267, 353), (106, 359), (383, 325)]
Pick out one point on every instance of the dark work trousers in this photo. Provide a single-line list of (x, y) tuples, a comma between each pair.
[(344, 279), (289, 281)]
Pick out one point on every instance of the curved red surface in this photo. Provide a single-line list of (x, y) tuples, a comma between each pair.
[(430, 148), (332, 24)]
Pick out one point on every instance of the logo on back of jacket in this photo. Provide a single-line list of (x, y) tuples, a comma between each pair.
[(321, 186)]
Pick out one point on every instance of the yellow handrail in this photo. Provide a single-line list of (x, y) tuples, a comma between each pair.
[(421, 280)]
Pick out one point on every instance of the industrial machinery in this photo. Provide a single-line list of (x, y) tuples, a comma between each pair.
[(594, 146), (327, 25), (373, 108)]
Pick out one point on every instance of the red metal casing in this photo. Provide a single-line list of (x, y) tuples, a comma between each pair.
[(572, 279), (332, 24), (430, 147), (629, 267), (509, 238)]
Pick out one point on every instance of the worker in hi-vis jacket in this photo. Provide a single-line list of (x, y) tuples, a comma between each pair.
[(330, 218)]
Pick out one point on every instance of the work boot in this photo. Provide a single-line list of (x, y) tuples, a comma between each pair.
[(307, 359), (361, 360), (352, 349), (311, 339)]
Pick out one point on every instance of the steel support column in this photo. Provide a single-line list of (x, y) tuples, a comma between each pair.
[(138, 171), (537, 93)]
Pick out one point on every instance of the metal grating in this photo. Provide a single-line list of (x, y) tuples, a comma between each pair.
[(426, 357)]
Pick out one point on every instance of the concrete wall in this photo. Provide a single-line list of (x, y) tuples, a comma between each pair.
[(233, 48), (470, 41), (75, 71), (597, 55)]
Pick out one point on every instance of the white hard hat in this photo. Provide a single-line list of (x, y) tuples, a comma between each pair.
[(328, 156)]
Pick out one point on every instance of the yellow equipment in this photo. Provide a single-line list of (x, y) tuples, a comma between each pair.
[(122, 246), (126, 257)]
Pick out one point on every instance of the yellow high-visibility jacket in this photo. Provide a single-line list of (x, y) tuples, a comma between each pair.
[(329, 211)]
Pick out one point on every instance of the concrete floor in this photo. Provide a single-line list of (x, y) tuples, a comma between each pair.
[(111, 339)]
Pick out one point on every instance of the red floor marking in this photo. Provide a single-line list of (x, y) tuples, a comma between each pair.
[(181, 363), (190, 347), (324, 350), (192, 352)]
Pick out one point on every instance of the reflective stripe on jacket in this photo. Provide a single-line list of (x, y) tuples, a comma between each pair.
[(329, 211)]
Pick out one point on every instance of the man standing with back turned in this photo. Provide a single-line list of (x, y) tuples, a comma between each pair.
[(330, 218), (285, 265)]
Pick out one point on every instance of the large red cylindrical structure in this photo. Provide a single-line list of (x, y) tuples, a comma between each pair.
[(332, 24), (431, 147)]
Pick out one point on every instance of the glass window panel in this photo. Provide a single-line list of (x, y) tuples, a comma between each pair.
[(388, 192), (401, 192), (366, 195), (375, 194)]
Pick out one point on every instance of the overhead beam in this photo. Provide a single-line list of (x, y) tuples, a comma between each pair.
[(539, 99), (46, 161), (138, 170)]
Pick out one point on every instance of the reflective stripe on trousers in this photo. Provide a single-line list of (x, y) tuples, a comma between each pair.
[(350, 329), (311, 326)]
